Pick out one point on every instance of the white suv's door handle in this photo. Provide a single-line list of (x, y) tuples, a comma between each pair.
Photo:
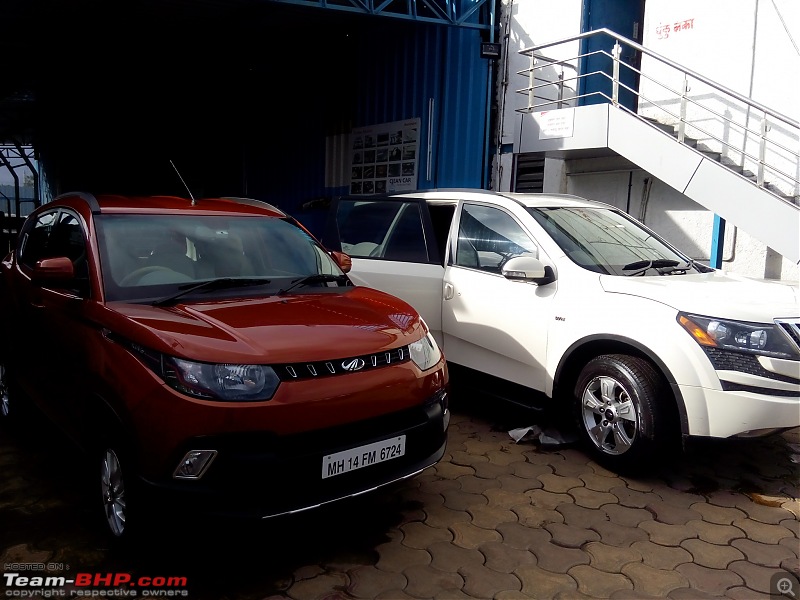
[(449, 291)]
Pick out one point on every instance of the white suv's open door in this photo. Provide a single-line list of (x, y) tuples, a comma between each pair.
[(394, 248)]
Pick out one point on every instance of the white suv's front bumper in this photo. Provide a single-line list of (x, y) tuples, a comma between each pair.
[(721, 413)]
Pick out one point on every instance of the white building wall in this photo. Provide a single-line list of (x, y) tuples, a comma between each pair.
[(528, 23), (719, 45), (749, 47), (531, 23)]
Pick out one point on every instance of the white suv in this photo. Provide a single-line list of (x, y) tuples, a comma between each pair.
[(558, 297)]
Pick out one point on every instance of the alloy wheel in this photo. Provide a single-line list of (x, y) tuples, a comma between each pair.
[(609, 415), (113, 489), (5, 401)]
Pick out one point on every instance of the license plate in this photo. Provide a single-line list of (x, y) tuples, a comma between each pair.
[(363, 456)]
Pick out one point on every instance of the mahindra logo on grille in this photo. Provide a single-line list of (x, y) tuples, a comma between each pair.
[(354, 364)]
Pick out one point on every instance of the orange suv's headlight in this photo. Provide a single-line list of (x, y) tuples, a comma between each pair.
[(220, 381), (228, 382), (425, 352)]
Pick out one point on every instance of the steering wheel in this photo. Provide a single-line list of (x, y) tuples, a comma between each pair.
[(141, 272)]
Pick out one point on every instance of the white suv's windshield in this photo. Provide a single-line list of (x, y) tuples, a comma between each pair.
[(608, 241), (148, 257)]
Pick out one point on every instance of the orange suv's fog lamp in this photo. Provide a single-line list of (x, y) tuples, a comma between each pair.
[(194, 464)]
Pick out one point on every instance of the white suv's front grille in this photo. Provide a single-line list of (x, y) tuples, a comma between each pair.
[(728, 360), (791, 329)]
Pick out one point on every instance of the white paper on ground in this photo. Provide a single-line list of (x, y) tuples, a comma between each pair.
[(549, 436)]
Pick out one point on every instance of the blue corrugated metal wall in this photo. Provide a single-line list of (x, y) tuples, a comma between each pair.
[(463, 114), (378, 71), (397, 71), (438, 63)]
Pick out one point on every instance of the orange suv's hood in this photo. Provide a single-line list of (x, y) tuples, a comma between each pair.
[(278, 329)]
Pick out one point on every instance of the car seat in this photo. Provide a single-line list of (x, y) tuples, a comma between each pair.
[(466, 254), (121, 260), (172, 255), (224, 257), (407, 241)]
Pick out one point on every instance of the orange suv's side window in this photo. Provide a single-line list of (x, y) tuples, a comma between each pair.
[(33, 243), (56, 234)]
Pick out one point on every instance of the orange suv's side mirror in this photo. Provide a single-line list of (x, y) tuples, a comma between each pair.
[(53, 270), (343, 260)]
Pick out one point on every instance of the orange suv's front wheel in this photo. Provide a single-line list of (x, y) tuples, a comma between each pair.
[(11, 406), (120, 502), (5, 396)]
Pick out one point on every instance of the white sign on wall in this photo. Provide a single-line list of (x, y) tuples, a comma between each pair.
[(384, 157), (555, 123)]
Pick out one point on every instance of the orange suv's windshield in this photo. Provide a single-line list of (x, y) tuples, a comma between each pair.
[(148, 257)]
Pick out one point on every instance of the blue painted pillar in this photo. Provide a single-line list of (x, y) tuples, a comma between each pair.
[(717, 242)]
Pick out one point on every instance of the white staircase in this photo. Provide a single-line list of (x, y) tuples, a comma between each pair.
[(744, 199)]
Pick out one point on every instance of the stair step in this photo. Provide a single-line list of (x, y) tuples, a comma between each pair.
[(723, 160), (778, 192), (733, 166), (712, 154), (670, 129), (715, 156)]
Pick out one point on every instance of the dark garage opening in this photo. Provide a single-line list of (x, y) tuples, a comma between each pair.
[(117, 96)]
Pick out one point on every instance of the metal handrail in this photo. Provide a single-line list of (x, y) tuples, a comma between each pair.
[(771, 117), (674, 65), (560, 83)]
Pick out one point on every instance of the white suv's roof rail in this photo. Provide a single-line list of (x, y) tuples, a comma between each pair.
[(528, 199)]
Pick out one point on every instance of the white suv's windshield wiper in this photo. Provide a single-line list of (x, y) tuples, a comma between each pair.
[(213, 284), (315, 278), (662, 265)]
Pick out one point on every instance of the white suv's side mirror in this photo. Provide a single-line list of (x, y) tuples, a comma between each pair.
[(527, 268)]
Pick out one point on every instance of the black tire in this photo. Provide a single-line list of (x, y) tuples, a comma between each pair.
[(620, 404)]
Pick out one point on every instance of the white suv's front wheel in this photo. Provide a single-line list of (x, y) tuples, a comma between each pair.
[(619, 411)]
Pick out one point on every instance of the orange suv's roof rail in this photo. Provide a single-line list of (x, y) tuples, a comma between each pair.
[(254, 202)]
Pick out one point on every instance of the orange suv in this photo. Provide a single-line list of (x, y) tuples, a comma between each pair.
[(212, 355)]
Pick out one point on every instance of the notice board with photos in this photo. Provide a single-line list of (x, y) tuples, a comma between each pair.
[(384, 157)]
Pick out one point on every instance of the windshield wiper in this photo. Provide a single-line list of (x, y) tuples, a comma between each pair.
[(690, 265), (210, 285), (315, 278), (662, 265)]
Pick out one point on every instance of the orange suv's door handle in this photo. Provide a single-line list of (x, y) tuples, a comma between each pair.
[(36, 299)]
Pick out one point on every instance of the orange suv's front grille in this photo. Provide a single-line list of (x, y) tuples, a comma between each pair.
[(340, 366)]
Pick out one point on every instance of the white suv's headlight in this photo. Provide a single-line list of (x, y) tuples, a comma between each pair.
[(425, 352), (755, 338)]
